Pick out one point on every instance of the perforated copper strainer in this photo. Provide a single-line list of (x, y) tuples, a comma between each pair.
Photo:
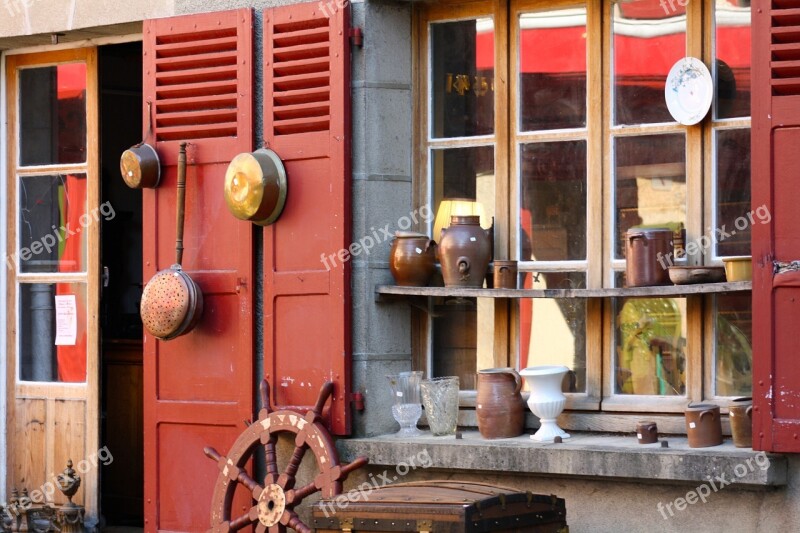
[(172, 303)]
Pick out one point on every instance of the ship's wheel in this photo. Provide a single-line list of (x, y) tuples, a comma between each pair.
[(275, 500)]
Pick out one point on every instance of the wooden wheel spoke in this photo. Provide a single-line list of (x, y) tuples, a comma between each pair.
[(295, 497), (271, 460), (287, 479), (245, 520), (291, 520), (251, 484)]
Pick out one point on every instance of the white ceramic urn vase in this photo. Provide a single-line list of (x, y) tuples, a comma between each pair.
[(546, 399)]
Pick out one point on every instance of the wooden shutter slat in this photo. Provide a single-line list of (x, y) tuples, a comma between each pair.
[(198, 387), (307, 122), (171, 105)]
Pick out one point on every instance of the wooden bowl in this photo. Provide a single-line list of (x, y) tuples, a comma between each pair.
[(688, 275)]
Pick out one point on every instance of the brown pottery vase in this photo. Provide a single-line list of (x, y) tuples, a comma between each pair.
[(740, 413), (499, 405), (412, 260), (703, 426), (464, 252)]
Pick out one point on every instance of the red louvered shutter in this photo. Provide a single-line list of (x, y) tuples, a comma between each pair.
[(307, 122), (199, 387), (776, 185)]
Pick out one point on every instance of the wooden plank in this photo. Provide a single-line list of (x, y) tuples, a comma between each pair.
[(28, 444), (619, 292), (69, 442)]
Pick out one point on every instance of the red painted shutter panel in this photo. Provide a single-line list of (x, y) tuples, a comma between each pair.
[(776, 185), (307, 122), (199, 387)]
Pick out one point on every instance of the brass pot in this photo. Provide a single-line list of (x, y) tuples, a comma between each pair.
[(255, 187), (140, 167)]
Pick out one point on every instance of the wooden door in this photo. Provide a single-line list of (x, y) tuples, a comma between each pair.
[(53, 289), (307, 122), (198, 388), (776, 188)]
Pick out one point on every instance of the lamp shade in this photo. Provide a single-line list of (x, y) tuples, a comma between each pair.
[(456, 207)]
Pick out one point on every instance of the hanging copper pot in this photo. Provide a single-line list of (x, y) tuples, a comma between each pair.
[(139, 164), (172, 303), (140, 167), (255, 187)]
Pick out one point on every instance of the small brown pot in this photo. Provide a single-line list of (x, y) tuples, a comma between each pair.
[(499, 405), (647, 432), (648, 256), (140, 167), (740, 413), (703, 425), (505, 274), (412, 260)]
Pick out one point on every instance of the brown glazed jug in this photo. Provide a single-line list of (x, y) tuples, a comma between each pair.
[(412, 259), (703, 426), (464, 252), (740, 413), (499, 405)]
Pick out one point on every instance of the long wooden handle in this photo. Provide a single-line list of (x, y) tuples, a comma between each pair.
[(181, 202)]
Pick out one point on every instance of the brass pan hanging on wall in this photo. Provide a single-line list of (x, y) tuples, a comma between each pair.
[(255, 187), (139, 164)]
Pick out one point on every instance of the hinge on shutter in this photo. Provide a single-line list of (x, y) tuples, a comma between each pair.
[(356, 37), (781, 267)]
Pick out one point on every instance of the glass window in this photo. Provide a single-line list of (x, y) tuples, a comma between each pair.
[(734, 219), (462, 84), (732, 65), (552, 69), (553, 201), (648, 39), (650, 346), (51, 224), (650, 183), (733, 352), (52, 115), (553, 331), (52, 332)]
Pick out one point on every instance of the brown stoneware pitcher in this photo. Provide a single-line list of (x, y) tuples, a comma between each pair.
[(740, 412), (499, 405), (464, 252), (703, 426), (412, 260)]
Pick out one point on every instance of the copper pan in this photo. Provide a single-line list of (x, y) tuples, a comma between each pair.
[(172, 303)]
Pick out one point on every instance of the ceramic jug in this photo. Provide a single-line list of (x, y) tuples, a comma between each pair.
[(464, 252), (412, 259), (740, 413), (499, 405), (703, 426)]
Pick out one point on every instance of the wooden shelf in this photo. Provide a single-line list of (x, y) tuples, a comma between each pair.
[(383, 291)]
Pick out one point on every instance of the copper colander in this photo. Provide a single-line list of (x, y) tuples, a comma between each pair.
[(172, 303)]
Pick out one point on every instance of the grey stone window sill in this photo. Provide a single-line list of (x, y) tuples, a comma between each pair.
[(586, 455)]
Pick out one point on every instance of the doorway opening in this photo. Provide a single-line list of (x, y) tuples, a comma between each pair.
[(121, 392)]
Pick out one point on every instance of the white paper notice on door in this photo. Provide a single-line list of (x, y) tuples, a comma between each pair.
[(66, 320)]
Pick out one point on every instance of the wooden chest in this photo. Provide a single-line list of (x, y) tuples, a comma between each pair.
[(439, 507)]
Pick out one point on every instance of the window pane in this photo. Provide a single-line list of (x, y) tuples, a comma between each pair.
[(463, 183), (650, 177), (553, 331), (733, 58), (552, 69), (52, 223), (733, 193), (553, 201), (52, 105), (463, 338), (650, 346), (462, 89), (733, 354), (649, 37), (52, 314)]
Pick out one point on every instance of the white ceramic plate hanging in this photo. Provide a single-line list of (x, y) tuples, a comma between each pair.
[(689, 91)]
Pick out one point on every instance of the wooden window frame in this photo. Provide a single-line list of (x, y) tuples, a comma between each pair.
[(51, 393), (618, 410)]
